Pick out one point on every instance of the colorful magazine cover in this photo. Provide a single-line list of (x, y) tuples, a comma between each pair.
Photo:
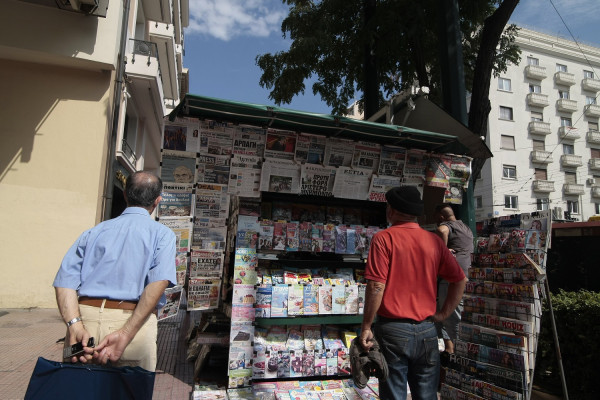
[(263, 301), (311, 299), (292, 234), (279, 303), (295, 299), (338, 299), (325, 299)]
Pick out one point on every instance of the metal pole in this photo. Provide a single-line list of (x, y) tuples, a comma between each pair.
[(556, 343)]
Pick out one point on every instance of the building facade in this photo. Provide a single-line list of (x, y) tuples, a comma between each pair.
[(543, 132), (85, 88)]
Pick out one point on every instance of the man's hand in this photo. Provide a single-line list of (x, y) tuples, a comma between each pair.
[(112, 347), (78, 334), (366, 339)]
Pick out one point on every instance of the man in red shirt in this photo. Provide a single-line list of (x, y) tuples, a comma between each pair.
[(402, 270)]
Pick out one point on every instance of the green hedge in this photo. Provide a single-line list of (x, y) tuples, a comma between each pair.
[(577, 316)]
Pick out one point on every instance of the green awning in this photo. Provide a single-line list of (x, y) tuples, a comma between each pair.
[(203, 107)]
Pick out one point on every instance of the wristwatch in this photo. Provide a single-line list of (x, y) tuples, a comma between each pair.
[(73, 321)]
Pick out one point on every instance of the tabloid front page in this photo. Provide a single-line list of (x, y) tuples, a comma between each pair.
[(177, 201), (352, 183), (317, 180), (178, 166), (244, 175), (280, 176)]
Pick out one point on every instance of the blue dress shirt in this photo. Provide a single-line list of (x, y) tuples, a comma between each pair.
[(117, 258)]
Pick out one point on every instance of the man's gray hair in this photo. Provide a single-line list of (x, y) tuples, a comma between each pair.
[(142, 188)]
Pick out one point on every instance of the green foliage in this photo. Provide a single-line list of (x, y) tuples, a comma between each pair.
[(576, 315), (330, 37)]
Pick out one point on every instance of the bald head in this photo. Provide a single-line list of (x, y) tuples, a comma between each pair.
[(142, 189), (444, 212)]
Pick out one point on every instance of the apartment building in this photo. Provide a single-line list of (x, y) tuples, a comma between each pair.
[(84, 90), (543, 132)]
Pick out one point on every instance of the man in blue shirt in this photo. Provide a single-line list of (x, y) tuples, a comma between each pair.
[(113, 278)]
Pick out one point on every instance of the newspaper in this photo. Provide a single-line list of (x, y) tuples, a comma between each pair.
[(178, 166), (206, 263), (366, 156), (339, 152), (210, 238), (249, 141), (177, 200), (212, 201), (317, 180), (215, 138), (203, 294), (380, 185), (280, 144), (392, 161), (416, 163), (171, 306), (181, 136), (244, 175), (310, 148), (280, 176), (438, 170), (352, 183), (213, 169)]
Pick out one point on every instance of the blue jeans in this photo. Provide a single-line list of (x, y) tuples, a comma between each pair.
[(412, 355)]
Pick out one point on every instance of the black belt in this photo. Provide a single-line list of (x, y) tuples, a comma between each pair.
[(403, 320)]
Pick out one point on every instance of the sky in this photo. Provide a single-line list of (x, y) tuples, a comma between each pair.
[(225, 36)]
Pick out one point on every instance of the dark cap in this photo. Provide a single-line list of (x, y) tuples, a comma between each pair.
[(405, 199)]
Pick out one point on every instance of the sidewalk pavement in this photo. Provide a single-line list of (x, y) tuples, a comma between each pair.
[(26, 334)]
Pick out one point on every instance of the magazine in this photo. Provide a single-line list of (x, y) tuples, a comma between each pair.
[(292, 236), (438, 170), (279, 302), (295, 299), (241, 334), (325, 299), (263, 301), (265, 235), (311, 299), (171, 307)]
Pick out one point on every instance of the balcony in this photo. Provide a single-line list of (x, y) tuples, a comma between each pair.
[(568, 133), (144, 74), (566, 105), (593, 137), (570, 160), (535, 72), (594, 163), (541, 186), (593, 85), (541, 157), (592, 110), (164, 37), (573, 188), (161, 11), (596, 191), (537, 100), (539, 128), (564, 78)]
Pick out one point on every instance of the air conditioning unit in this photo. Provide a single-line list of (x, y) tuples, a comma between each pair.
[(557, 213), (591, 181)]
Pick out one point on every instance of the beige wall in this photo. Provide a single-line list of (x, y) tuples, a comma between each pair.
[(53, 137)]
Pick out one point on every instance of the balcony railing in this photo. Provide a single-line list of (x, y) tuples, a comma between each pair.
[(594, 163), (542, 186), (564, 78), (570, 160), (593, 137), (596, 191), (590, 84), (128, 152), (537, 99), (568, 133), (566, 105), (573, 188), (592, 110), (539, 128), (535, 72), (540, 156)]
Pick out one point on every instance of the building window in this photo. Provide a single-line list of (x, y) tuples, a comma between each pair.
[(533, 61), (564, 121), (571, 177), (478, 202), (593, 126), (506, 113), (561, 68), (594, 153), (509, 171), (573, 206), (568, 149), (597, 208), (504, 84), (590, 100), (588, 74), (535, 88), (541, 174), (511, 202), (543, 204), (539, 145), (507, 142), (537, 116), (563, 94)]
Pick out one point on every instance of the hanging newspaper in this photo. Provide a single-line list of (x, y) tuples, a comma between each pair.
[(182, 227), (280, 144), (366, 156), (438, 169), (244, 175), (392, 161), (317, 180), (213, 169), (310, 149), (173, 299), (352, 183), (380, 185), (182, 136), (338, 152), (178, 166), (210, 238), (206, 264), (215, 138), (208, 222), (177, 201), (280, 176), (212, 201), (416, 163), (203, 294), (249, 141)]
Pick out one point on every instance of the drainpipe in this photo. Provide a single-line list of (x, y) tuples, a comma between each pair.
[(109, 180)]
